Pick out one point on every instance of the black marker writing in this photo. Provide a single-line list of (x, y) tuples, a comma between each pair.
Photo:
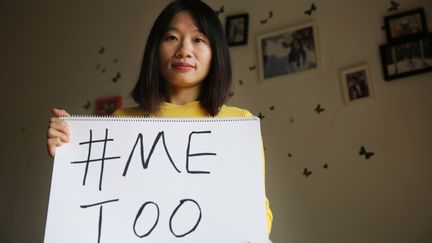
[(102, 159), (171, 218), (100, 214), (175, 211), (188, 154), (144, 162), (139, 214)]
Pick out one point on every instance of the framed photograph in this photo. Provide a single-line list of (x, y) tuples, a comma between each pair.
[(356, 84), (288, 51), (408, 57), (407, 24), (236, 28), (106, 106)]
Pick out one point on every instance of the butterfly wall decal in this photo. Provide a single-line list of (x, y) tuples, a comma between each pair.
[(270, 15), (307, 172), (220, 10), (310, 10), (319, 109), (394, 6), (87, 105), (117, 77), (365, 153)]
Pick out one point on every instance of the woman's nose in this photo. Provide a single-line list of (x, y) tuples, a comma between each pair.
[(185, 49)]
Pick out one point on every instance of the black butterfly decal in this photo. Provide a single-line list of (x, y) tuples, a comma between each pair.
[(319, 109), (87, 105), (307, 172), (272, 108), (311, 9), (101, 50), (252, 68), (394, 6), (289, 155), (270, 15), (117, 77), (221, 10), (261, 116), (231, 94), (365, 153), (325, 166), (241, 82)]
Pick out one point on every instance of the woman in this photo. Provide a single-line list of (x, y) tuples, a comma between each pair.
[(186, 72)]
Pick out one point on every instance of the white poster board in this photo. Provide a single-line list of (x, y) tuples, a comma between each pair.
[(154, 180)]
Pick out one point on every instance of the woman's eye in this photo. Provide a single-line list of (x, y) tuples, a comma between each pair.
[(199, 40), (171, 37)]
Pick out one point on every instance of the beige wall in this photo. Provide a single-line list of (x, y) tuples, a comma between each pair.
[(49, 58)]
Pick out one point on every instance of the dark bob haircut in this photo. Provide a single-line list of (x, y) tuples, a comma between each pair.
[(150, 89)]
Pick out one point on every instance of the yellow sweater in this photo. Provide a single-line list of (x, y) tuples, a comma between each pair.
[(193, 109)]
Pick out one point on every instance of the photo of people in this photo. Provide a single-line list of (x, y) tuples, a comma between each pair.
[(408, 25), (405, 24), (357, 85), (288, 52), (237, 29), (235, 33), (407, 58)]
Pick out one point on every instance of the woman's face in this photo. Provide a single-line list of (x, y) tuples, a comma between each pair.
[(184, 54)]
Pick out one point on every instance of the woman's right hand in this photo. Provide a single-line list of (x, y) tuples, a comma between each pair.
[(58, 131)]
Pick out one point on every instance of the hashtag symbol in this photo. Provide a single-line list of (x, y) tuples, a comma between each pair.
[(101, 159)]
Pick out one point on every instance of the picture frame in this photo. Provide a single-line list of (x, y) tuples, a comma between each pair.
[(106, 106), (407, 57), (357, 85), (236, 29), (404, 25), (288, 51)]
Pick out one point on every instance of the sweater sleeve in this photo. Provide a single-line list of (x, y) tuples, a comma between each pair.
[(269, 214)]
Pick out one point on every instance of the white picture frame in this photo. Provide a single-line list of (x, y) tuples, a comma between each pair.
[(276, 57)]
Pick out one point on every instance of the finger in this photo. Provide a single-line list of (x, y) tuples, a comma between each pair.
[(52, 144), (59, 125), (53, 133), (59, 112)]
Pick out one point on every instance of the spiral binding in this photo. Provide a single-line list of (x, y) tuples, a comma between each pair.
[(155, 119)]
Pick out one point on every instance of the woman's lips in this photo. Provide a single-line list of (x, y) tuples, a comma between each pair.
[(183, 67)]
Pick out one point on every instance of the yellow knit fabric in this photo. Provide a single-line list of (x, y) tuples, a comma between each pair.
[(194, 109)]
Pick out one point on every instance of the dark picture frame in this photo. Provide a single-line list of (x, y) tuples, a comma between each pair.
[(406, 57), (405, 25), (236, 29), (288, 51)]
